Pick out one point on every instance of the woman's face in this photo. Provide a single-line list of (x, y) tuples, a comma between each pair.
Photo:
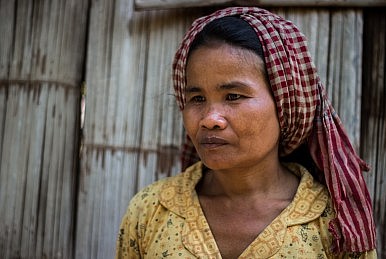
[(230, 114)]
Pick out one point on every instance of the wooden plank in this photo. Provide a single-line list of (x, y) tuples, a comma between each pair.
[(164, 4), (373, 127), (41, 68)]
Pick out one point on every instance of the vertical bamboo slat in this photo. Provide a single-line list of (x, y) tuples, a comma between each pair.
[(41, 67), (7, 8), (373, 128), (162, 126), (345, 65)]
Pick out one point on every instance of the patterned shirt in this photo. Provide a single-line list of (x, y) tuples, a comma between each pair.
[(165, 220)]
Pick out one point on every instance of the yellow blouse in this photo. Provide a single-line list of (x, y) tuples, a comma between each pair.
[(165, 220)]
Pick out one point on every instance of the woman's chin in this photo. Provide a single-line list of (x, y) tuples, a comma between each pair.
[(216, 164)]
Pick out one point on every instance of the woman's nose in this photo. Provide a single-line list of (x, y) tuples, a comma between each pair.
[(213, 119)]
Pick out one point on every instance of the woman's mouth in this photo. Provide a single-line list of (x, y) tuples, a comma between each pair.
[(211, 142)]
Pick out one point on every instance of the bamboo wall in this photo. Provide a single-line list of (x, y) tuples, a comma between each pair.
[(65, 184), (42, 54)]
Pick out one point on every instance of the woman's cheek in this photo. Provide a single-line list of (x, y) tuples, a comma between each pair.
[(189, 117)]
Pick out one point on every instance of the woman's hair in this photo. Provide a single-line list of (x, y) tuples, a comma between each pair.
[(231, 30)]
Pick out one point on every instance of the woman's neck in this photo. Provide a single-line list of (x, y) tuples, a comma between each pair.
[(263, 181)]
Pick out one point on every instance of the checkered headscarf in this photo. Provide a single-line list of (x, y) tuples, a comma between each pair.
[(305, 116)]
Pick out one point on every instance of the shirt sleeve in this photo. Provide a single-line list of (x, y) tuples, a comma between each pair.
[(128, 239)]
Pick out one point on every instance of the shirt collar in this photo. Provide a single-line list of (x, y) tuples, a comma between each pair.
[(179, 196), (309, 202)]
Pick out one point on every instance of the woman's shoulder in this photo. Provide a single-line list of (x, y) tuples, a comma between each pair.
[(311, 190), (181, 182), (150, 193)]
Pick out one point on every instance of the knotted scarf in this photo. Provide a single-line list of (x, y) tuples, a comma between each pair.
[(305, 116)]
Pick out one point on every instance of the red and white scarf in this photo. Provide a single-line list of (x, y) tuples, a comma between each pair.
[(305, 116)]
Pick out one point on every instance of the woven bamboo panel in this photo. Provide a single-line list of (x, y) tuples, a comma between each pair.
[(41, 53), (132, 129), (63, 194)]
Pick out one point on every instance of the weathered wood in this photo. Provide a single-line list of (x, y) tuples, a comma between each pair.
[(132, 127), (373, 127), (164, 4), (113, 155), (162, 125), (344, 82), (111, 133), (40, 69)]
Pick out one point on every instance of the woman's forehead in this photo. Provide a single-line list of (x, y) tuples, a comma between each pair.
[(221, 51), (224, 58)]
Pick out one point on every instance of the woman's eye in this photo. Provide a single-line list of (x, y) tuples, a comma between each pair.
[(233, 97), (197, 99)]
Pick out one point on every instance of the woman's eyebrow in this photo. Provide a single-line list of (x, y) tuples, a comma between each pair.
[(192, 89), (234, 85), (221, 87)]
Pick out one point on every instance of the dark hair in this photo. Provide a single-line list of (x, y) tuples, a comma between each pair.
[(232, 30)]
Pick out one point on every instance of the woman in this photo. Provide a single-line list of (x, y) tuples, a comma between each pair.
[(252, 105)]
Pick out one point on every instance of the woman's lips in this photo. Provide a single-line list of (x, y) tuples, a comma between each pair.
[(212, 142)]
